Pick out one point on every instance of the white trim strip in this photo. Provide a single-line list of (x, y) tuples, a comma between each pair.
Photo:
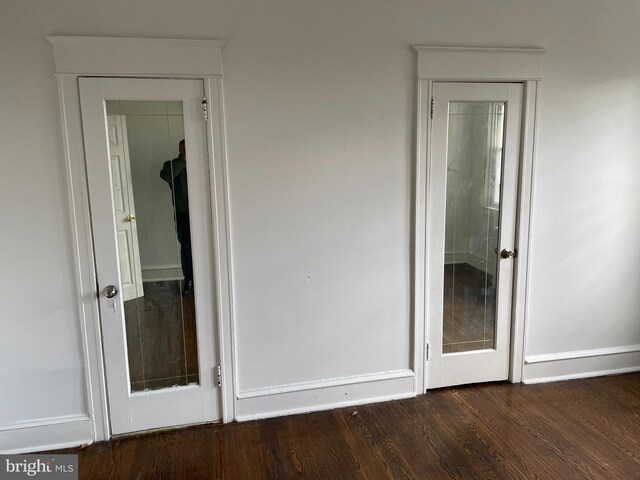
[(52, 446), (427, 48), (320, 408), (46, 434), (160, 267), (334, 382), (574, 376), (43, 422), (595, 352), (326, 398)]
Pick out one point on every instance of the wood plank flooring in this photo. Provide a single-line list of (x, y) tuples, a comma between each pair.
[(580, 429)]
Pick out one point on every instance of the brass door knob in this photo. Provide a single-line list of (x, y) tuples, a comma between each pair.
[(130, 218)]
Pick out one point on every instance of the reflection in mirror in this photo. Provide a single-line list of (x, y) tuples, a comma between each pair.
[(151, 211), (474, 166)]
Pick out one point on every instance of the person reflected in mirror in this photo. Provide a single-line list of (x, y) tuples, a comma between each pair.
[(174, 172)]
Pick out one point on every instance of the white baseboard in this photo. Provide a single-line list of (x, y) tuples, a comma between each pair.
[(453, 257), (161, 273), (46, 434), (456, 258), (324, 395), (480, 264), (581, 364)]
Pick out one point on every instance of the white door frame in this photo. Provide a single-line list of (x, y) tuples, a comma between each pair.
[(469, 64), (152, 58)]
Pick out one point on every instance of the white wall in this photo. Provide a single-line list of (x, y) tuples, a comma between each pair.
[(320, 100)]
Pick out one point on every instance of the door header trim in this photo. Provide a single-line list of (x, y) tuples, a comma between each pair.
[(479, 64), (116, 56)]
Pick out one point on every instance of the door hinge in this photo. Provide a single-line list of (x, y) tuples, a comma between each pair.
[(205, 110), (217, 374), (432, 106), (427, 352)]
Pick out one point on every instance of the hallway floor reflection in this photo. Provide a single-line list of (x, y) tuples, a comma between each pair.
[(469, 309), (162, 341)]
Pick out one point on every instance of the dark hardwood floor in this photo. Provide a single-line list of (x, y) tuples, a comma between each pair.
[(567, 430)]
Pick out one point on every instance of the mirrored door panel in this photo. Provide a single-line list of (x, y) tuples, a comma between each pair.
[(474, 166), (151, 212)]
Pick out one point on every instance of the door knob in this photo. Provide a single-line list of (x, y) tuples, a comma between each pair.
[(110, 291), (506, 253), (130, 218)]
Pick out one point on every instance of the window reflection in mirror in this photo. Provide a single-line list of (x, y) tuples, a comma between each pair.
[(151, 211)]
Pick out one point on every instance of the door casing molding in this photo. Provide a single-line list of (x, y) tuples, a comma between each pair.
[(151, 58), (473, 64)]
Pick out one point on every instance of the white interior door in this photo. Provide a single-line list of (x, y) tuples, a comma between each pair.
[(472, 202), (124, 208), (159, 348)]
